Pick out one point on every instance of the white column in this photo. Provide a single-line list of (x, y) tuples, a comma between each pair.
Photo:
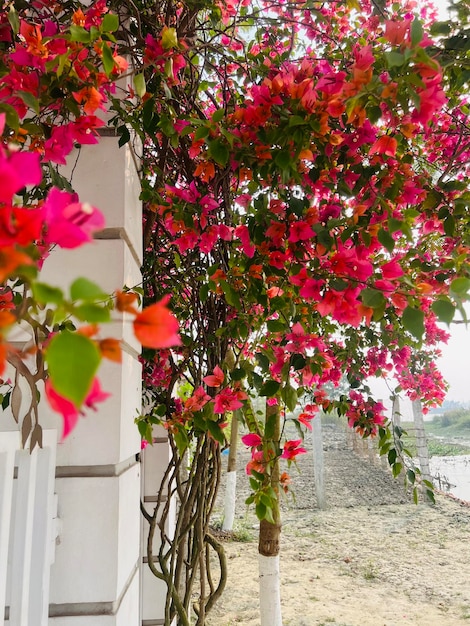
[(95, 578)]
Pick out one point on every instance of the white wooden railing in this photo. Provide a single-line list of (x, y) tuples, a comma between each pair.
[(27, 529)]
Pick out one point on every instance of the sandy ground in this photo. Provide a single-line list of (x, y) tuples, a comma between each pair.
[(372, 558)]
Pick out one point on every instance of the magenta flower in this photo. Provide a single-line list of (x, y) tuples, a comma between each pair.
[(228, 400), (252, 440), (67, 408), (69, 223)]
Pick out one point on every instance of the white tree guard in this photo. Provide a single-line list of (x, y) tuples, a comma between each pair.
[(229, 502), (269, 590)]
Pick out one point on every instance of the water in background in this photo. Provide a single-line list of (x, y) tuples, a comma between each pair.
[(454, 472)]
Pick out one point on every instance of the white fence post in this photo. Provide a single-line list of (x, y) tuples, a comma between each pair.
[(9, 443), (26, 516)]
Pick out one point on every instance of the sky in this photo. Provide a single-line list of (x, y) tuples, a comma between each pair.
[(455, 361)]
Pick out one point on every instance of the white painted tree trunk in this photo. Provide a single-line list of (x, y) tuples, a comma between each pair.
[(231, 484), (396, 415), (229, 503), (269, 590), (318, 462), (421, 441)]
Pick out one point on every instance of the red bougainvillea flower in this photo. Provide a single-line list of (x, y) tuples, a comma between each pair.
[(10, 260), (67, 408), (69, 223), (384, 145), (156, 326), (252, 440), (291, 449), (215, 379)]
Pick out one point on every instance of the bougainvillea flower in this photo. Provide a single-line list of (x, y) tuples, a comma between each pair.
[(215, 379), (67, 408), (95, 395), (156, 326), (292, 449), (20, 226), (17, 171), (10, 260), (197, 400), (228, 400), (305, 419), (69, 223), (396, 31), (252, 440), (384, 145)]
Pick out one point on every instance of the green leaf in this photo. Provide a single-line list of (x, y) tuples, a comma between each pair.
[(270, 388), (14, 19), (218, 115), (84, 289), (201, 133), (73, 360), (394, 59), (296, 120), (140, 85), (444, 309), (216, 432), (219, 152), (416, 32), (289, 395), (275, 326), (45, 294), (181, 440), (460, 286), (260, 511), (124, 135), (238, 374), (93, 313), (373, 298), (108, 59), (413, 321), (11, 116), (110, 23), (29, 100), (78, 33), (396, 469), (386, 239), (283, 160)]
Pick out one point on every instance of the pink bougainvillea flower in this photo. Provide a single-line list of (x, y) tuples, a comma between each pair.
[(67, 408), (252, 440), (59, 144), (228, 400), (397, 31), (156, 326), (300, 231), (292, 449), (215, 379), (69, 223), (96, 394), (391, 270), (17, 171)]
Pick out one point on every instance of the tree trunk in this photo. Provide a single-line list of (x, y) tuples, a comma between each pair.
[(231, 484), (269, 538), (318, 462)]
